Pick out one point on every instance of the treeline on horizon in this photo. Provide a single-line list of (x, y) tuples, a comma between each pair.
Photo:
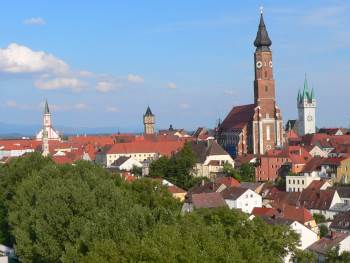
[(83, 213)]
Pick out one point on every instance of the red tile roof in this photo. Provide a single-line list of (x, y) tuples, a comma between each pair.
[(175, 190), (264, 211), (228, 181), (208, 200), (162, 147), (238, 117), (325, 243)]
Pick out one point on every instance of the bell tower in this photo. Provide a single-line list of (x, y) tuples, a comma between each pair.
[(267, 124), (306, 103), (148, 121)]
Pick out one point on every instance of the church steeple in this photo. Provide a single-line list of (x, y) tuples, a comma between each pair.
[(47, 110), (262, 40)]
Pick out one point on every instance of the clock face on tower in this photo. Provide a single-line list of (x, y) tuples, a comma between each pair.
[(259, 64), (270, 64), (309, 118)]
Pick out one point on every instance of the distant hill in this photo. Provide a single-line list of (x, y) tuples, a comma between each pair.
[(8, 130)]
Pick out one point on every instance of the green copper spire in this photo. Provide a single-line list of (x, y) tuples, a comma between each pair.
[(312, 94), (46, 111)]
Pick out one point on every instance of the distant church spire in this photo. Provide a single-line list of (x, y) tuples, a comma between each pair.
[(262, 40), (47, 110)]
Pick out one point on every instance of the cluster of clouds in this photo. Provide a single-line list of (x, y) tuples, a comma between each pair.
[(52, 73), (56, 107)]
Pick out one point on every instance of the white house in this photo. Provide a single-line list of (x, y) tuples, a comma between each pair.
[(242, 198), (126, 163), (322, 246), (140, 150), (210, 158)]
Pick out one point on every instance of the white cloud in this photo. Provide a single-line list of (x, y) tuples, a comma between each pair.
[(171, 85), (112, 109), (34, 21), (21, 59), (15, 105), (80, 106), (104, 86), (85, 73), (326, 16), (61, 82), (135, 78)]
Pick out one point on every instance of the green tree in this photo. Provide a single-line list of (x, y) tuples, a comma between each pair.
[(228, 170), (319, 218), (323, 230), (247, 172)]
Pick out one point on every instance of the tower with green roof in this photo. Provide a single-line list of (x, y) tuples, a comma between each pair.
[(306, 103)]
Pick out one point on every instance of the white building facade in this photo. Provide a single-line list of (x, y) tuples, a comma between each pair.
[(306, 110)]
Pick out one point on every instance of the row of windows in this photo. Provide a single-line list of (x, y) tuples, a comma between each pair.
[(289, 181), (295, 189)]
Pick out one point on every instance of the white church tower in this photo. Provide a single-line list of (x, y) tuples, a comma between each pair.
[(52, 134), (307, 110)]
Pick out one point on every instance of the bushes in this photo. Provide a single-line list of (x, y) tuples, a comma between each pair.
[(82, 213)]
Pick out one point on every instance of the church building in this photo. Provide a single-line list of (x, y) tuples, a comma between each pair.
[(255, 128), (51, 133)]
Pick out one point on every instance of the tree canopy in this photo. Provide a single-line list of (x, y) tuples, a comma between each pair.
[(82, 213)]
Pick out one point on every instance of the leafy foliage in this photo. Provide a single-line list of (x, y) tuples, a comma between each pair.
[(333, 256), (319, 218), (177, 169), (82, 213), (323, 230)]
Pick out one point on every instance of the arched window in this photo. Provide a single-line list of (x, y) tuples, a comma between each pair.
[(266, 88)]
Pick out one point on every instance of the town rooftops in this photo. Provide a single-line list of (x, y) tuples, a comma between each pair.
[(341, 221), (228, 181), (333, 131), (325, 243), (203, 149), (238, 117), (208, 200), (233, 193), (162, 147), (120, 161), (343, 191)]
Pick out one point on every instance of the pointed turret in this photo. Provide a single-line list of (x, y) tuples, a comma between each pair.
[(262, 40), (299, 96), (148, 112), (46, 110), (312, 96), (306, 93)]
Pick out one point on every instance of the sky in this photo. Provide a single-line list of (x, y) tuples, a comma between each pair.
[(101, 63)]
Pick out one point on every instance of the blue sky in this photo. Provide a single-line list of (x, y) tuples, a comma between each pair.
[(100, 63)]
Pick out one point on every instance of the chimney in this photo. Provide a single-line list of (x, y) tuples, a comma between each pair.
[(333, 235)]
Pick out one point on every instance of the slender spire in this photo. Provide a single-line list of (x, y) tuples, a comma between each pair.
[(148, 112), (47, 110), (306, 94), (299, 96), (262, 40)]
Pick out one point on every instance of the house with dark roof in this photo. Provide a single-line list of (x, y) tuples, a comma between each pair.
[(125, 163), (322, 246), (210, 158), (203, 200), (241, 198), (341, 222)]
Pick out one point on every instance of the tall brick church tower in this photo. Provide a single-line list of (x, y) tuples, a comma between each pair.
[(267, 120), (257, 127)]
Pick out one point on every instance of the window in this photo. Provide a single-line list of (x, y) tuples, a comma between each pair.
[(268, 133), (266, 88), (265, 74), (293, 181), (302, 181), (298, 182), (289, 181)]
